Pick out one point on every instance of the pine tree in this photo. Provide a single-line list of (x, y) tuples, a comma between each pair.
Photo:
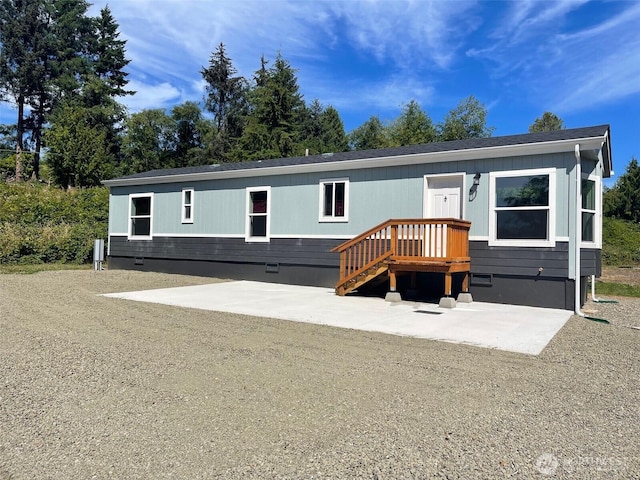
[(277, 110), (53, 53), (109, 55), (333, 135), (226, 100), (23, 33)]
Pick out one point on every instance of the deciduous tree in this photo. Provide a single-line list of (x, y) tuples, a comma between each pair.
[(149, 141), (467, 120)]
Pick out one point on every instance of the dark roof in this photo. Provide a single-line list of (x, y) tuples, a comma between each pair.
[(454, 145)]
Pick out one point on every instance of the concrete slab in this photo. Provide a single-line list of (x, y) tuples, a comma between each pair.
[(506, 327)]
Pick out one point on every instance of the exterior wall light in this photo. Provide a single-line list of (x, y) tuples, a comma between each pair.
[(473, 191), (476, 179)]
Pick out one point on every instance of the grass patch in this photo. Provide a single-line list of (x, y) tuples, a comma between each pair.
[(40, 267), (618, 289)]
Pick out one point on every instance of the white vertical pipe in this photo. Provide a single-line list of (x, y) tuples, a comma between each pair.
[(578, 232)]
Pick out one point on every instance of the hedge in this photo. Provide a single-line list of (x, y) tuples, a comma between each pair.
[(42, 224)]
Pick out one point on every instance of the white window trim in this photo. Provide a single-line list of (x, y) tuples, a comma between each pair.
[(184, 205), (330, 218), (247, 231), (597, 219), (130, 235), (551, 240)]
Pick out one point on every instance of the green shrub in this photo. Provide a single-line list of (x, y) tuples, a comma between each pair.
[(620, 242), (41, 224)]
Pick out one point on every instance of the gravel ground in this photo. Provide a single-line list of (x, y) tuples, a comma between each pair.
[(93, 387)]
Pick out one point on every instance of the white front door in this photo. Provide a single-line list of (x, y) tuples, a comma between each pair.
[(443, 197), (442, 200), (445, 203)]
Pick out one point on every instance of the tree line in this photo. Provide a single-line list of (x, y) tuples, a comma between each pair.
[(63, 71)]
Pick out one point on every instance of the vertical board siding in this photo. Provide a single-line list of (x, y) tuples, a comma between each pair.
[(376, 194)]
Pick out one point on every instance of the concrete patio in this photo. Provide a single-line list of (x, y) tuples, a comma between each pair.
[(506, 327)]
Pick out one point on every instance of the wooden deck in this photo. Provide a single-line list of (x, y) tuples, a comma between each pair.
[(397, 247)]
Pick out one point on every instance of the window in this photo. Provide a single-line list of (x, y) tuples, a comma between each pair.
[(258, 221), (334, 200), (187, 205), (522, 208), (590, 203), (140, 216)]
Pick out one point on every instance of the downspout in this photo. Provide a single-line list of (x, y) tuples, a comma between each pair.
[(578, 232)]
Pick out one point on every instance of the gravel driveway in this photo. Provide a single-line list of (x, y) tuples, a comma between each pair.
[(93, 387)]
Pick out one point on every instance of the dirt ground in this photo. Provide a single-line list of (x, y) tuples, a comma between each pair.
[(95, 387), (628, 275)]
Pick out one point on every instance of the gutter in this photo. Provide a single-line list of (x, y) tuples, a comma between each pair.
[(578, 232), (498, 151), (578, 242)]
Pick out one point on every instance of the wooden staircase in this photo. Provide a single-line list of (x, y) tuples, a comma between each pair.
[(405, 246)]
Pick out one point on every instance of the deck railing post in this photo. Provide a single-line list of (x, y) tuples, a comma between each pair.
[(394, 239)]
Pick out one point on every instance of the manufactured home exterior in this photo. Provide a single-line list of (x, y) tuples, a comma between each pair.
[(534, 202)]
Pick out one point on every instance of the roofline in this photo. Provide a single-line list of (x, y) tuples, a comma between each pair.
[(500, 151)]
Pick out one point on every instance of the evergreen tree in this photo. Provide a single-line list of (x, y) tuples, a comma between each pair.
[(467, 120), (310, 129), (226, 100), (546, 123), (79, 151), (321, 130), (623, 199), (52, 54), (277, 109), (412, 127), (190, 132), (108, 54), (23, 33), (332, 131), (371, 134)]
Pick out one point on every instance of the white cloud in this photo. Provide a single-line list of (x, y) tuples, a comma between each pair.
[(169, 42), (149, 96), (563, 66)]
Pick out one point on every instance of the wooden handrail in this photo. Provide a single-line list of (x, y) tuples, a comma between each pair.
[(411, 239)]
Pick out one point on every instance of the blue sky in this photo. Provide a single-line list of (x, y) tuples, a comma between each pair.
[(578, 59)]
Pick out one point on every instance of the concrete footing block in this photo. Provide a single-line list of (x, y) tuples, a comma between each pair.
[(393, 297), (447, 302), (464, 297)]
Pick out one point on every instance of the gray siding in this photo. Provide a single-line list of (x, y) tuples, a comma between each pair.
[(376, 194), (285, 251), (527, 261)]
